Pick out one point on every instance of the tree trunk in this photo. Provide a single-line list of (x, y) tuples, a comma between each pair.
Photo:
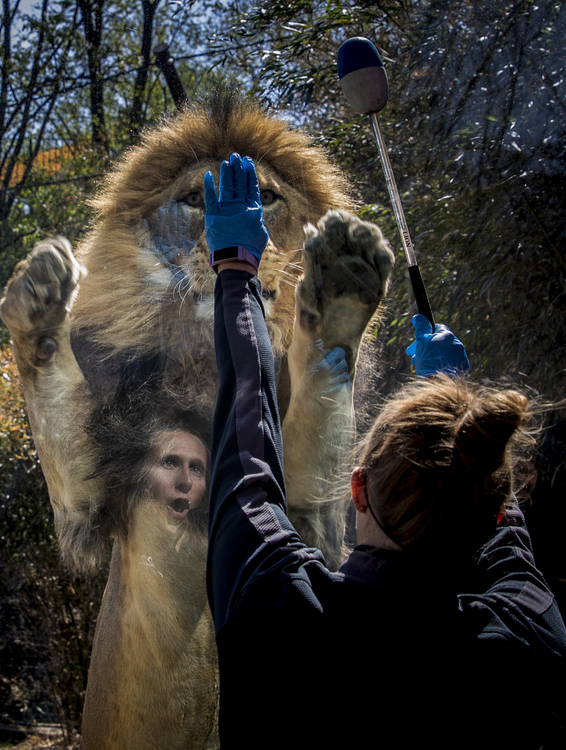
[(92, 11), (136, 113)]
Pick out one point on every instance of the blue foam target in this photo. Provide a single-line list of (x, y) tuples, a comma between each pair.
[(362, 75)]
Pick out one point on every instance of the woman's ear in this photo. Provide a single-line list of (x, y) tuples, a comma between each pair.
[(357, 485)]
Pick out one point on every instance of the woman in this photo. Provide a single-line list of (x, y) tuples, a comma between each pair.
[(393, 650), (152, 449), (176, 473)]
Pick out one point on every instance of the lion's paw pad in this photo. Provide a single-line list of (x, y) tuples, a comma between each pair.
[(345, 255), (42, 288)]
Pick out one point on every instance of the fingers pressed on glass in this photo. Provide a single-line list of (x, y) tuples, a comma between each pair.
[(226, 184), (252, 181), (210, 197), (238, 177)]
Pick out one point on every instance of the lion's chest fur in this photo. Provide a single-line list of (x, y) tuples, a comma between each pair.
[(152, 679)]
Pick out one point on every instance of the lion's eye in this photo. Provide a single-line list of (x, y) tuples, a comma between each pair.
[(268, 197), (194, 199)]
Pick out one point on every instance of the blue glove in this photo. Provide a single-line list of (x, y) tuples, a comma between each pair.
[(435, 352), (235, 217), (335, 366)]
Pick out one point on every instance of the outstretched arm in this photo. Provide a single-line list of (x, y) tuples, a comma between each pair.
[(248, 526), (248, 521), (522, 637), (516, 604)]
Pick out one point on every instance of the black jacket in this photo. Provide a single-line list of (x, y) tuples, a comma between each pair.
[(389, 652)]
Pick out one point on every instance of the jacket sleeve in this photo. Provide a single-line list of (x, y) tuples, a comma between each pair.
[(249, 533), (516, 605)]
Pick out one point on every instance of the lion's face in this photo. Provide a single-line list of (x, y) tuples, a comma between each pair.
[(284, 215), (129, 299), (283, 209)]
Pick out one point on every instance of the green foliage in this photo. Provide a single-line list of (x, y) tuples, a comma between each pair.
[(290, 48), (16, 443)]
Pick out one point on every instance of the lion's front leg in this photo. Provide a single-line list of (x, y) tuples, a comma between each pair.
[(347, 266), (36, 310)]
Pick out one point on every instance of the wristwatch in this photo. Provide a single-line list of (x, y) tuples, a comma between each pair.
[(236, 252)]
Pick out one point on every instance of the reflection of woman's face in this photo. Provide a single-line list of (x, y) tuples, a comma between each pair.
[(177, 471)]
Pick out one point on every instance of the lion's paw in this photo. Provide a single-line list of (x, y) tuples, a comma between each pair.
[(347, 266), (41, 291)]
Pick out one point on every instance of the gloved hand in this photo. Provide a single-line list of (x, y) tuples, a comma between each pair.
[(169, 229), (435, 352), (235, 217), (335, 366)]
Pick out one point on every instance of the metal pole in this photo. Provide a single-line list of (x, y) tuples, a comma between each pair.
[(423, 305)]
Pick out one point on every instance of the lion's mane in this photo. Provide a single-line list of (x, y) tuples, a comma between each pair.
[(118, 297)]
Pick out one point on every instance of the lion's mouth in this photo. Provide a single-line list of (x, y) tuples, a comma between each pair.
[(179, 507)]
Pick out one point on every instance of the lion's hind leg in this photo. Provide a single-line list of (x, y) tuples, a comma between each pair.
[(347, 266), (36, 309)]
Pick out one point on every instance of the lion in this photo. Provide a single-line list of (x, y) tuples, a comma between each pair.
[(114, 345)]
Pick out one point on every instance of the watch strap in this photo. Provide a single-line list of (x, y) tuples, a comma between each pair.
[(236, 252)]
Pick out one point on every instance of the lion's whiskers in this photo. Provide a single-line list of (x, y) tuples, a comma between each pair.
[(195, 281), (289, 283), (282, 272), (179, 287)]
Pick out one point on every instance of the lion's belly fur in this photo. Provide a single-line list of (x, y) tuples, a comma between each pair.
[(153, 679)]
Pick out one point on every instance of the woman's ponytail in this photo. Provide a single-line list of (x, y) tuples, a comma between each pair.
[(484, 431)]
